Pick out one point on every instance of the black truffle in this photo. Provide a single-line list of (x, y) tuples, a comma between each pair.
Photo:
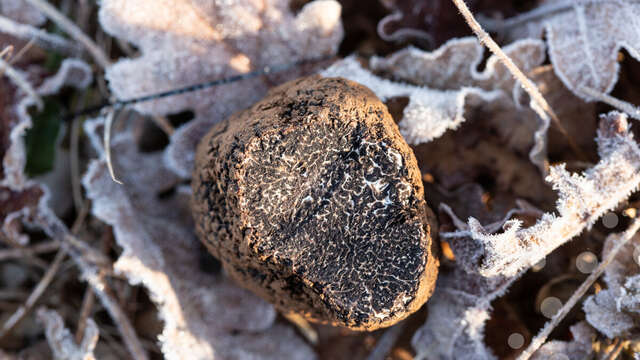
[(312, 199)]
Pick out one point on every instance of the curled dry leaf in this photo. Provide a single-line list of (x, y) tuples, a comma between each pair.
[(185, 42), (584, 39), (460, 305), (21, 198), (205, 316), (615, 311), (62, 342)]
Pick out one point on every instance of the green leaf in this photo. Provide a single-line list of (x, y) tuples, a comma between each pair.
[(40, 139)]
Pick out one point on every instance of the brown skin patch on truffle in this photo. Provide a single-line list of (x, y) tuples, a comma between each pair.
[(312, 199)]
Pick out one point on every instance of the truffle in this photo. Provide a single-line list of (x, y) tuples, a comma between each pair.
[(312, 199)]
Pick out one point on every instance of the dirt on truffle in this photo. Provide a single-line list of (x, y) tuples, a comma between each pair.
[(312, 199)]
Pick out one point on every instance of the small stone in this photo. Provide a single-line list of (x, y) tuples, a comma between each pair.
[(312, 199)]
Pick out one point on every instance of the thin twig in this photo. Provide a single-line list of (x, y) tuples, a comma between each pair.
[(41, 37), (623, 239), (20, 82), (87, 305), (70, 28), (621, 105), (163, 123), (5, 51), (303, 326), (22, 51), (45, 247), (616, 350), (538, 102), (56, 229), (108, 123), (35, 295)]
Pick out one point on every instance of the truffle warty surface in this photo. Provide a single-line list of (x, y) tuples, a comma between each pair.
[(312, 199)]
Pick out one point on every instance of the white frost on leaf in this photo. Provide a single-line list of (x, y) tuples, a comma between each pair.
[(584, 38), (582, 199), (615, 311), (486, 265), (441, 83), (72, 72), (185, 42), (579, 348), (205, 315), (62, 342), (14, 184), (458, 310)]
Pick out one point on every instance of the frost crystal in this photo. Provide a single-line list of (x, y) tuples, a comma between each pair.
[(582, 200)]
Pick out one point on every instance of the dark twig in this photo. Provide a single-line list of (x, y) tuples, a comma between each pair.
[(35, 295)]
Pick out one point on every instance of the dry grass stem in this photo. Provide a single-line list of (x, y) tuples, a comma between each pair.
[(303, 326), (164, 124), (18, 79), (35, 295), (22, 51), (70, 28), (10, 254), (108, 123), (616, 350)]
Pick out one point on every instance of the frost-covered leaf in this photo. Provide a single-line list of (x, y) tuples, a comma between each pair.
[(205, 315), (458, 310), (615, 311), (61, 340), (187, 42), (584, 39), (21, 197), (486, 265), (582, 199), (579, 348), (441, 83)]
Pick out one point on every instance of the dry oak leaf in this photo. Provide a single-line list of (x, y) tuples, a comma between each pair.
[(187, 42), (584, 38), (440, 84), (205, 315)]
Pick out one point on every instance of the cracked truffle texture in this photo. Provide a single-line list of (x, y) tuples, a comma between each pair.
[(312, 199)]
